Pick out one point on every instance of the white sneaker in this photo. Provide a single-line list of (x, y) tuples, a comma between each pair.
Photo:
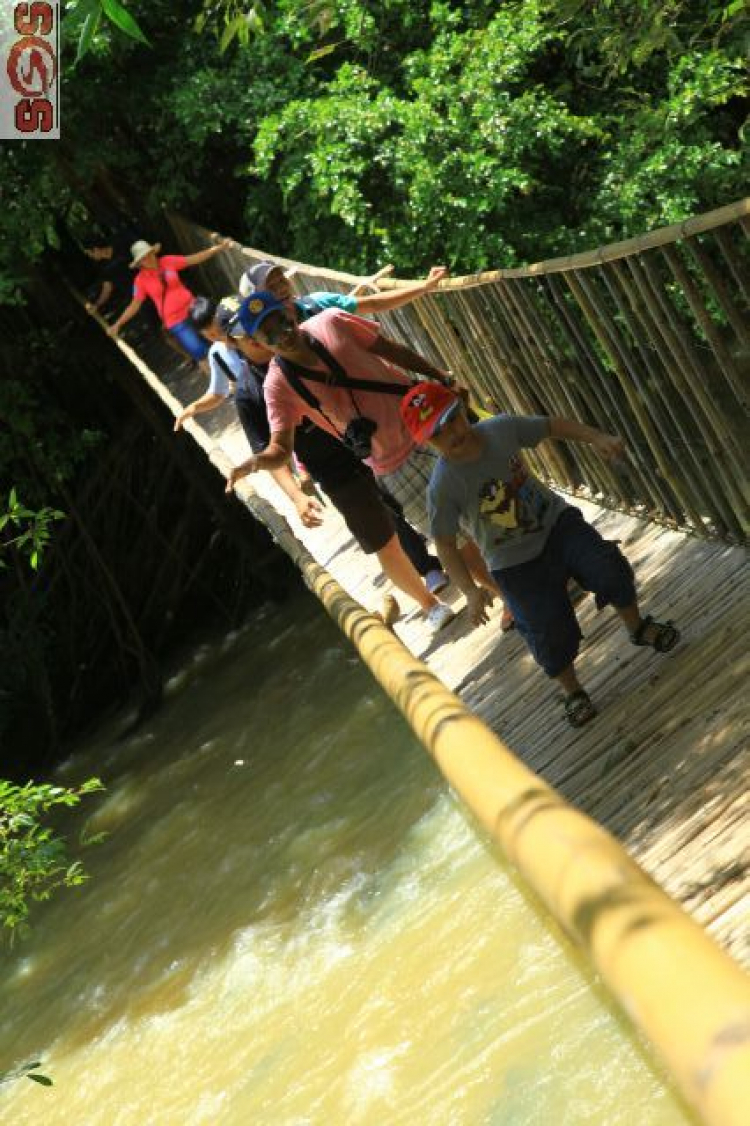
[(435, 581), (438, 616)]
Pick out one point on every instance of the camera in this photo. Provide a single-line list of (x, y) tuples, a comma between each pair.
[(358, 437)]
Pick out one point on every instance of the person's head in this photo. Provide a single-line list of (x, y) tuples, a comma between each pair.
[(98, 250), (143, 255), (268, 277), (268, 321), (434, 414), (203, 317)]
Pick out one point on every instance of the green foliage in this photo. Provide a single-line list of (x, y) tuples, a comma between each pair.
[(34, 861), (85, 20), (351, 132), (31, 531)]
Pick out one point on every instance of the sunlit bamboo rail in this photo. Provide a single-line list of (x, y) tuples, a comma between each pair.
[(687, 996), (647, 337)]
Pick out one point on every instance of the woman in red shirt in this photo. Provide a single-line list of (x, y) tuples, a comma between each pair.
[(159, 279)]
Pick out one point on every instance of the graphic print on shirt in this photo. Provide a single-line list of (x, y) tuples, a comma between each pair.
[(514, 506)]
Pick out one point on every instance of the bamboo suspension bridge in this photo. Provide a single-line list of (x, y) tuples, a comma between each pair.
[(648, 338)]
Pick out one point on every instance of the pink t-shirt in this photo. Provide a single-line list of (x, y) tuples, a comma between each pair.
[(165, 288), (348, 338)]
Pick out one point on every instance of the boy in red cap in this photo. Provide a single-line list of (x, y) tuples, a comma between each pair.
[(532, 540)]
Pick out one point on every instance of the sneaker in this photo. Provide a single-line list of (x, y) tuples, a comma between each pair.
[(438, 616), (435, 581)]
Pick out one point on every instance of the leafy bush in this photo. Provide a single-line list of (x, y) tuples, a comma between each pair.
[(34, 861)]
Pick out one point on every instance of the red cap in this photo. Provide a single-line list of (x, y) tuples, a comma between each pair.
[(426, 407)]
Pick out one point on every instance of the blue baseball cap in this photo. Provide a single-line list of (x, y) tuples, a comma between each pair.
[(255, 308)]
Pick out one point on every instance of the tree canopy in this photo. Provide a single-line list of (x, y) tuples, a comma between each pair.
[(349, 132)]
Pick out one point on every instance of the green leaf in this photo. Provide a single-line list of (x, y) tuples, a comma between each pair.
[(232, 29), (88, 31), (321, 52), (44, 1080), (121, 18)]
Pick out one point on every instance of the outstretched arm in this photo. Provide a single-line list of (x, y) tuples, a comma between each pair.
[(395, 298), (404, 357), (210, 252), (126, 315), (277, 453), (101, 298), (610, 446), (207, 402)]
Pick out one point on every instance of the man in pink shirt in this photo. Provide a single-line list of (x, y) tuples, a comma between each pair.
[(323, 371)]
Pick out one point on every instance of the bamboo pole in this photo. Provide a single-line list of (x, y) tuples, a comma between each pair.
[(534, 395), (599, 387), (699, 311), (726, 460), (673, 414), (609, 343), (567, 396), (720, 290), (599, 471), (734, 263)]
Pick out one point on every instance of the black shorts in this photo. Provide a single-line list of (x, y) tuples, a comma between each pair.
[(366, 514)]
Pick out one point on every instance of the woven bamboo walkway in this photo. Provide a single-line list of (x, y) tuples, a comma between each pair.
[(665, 767)]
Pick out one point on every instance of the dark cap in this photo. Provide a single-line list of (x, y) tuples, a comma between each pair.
[(255, 309), (228, 317)]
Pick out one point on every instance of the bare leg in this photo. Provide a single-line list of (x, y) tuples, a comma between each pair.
[(568, 681), (397, 567), (579, 709)]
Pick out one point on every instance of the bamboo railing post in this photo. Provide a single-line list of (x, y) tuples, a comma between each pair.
[(552, 457), (652, 326), (734, 264), (599, 470), (638, 407), (726, 460), (721, 293), (653, 489), (698, 308)]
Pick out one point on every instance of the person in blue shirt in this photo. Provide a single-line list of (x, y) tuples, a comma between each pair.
[(272, 278)]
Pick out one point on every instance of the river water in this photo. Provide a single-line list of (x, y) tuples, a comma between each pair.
[(292, 922)]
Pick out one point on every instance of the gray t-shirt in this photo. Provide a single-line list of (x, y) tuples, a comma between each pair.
[(507, 511)]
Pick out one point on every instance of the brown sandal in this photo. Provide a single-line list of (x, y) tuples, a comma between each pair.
[(666, 635), (579, 710)]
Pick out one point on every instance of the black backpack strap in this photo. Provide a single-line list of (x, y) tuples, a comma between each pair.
[(340, 377), (293, 373), (225, 367)]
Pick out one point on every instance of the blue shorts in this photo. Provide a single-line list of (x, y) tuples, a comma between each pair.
[(537, 591), (190, 339)]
